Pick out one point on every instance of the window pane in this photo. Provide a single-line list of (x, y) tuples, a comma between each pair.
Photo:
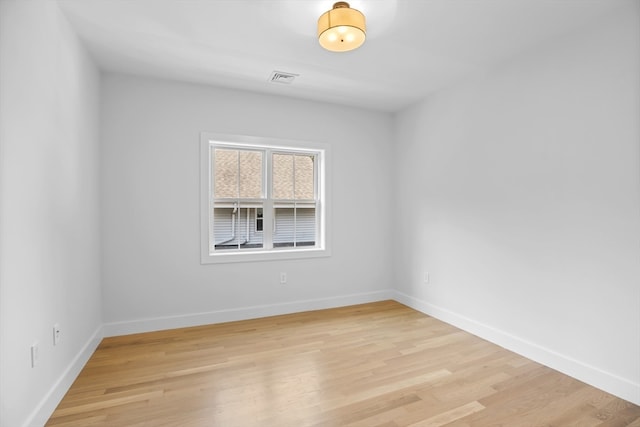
[(233, 227), (282, 176), (250, 174), (293, 177), (238, 174), (226, 173), (305, 233), (304, 183), (284, 227), (294, 226)]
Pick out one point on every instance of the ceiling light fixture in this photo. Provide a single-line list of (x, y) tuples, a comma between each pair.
[(341, 28)]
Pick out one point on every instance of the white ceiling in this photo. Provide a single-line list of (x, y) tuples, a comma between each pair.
[(413, 47)]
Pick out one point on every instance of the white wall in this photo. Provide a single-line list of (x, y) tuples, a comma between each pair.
[(522, 200), (151, 225), (49, 218)]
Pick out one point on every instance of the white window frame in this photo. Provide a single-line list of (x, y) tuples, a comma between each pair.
[(321, 151)]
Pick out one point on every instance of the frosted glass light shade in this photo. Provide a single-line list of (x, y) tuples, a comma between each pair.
[(341, 28)]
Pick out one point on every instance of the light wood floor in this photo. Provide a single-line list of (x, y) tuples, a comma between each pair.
[(379, 364)]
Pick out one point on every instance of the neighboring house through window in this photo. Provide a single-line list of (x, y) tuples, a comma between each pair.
[(264, 199)]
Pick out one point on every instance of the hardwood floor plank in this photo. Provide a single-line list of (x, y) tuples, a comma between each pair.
[(380, 364), (451, 415)]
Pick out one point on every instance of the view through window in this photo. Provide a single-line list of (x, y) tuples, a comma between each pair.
[(264, 198)]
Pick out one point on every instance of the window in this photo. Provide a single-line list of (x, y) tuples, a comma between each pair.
[(262, 199), (259, 219)]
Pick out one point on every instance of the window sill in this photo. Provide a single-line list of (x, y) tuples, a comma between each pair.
[(257, 256)]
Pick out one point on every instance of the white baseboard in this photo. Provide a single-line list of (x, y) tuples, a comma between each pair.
[(48, 404), (592, 375), (243, 313)]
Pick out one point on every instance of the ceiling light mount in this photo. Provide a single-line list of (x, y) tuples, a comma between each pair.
[(341, 29)]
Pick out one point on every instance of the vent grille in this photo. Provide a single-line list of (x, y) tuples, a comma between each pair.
[(282, 77)]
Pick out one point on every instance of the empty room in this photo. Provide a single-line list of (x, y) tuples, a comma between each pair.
[(277, 213)]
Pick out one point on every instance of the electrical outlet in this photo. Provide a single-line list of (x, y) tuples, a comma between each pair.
[(57, 334), (426, 277), (283, 278), (34, 354)]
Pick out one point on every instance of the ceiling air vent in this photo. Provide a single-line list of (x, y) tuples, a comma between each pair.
[(282, 77)]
